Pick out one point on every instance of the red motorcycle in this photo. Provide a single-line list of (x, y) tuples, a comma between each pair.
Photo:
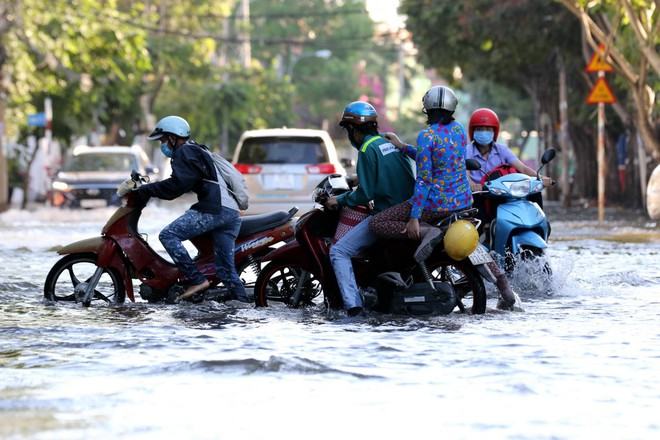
[(102, 268), (300, 273)]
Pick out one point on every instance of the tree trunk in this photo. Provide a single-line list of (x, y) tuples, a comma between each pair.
[(564, 140), (4, 180), (584, 148), (643, 114)]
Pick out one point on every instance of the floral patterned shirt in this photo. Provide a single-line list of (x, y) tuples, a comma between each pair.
[(442, 184)]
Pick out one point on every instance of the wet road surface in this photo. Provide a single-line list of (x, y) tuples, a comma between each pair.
[(581, 362)]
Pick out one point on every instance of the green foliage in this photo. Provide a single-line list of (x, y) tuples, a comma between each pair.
[(110, 63), (510, 42), (311, 30), (253, 98), (97, 80)]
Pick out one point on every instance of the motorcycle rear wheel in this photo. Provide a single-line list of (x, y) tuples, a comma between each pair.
[(66, 281), (466, 281), (277, 282)]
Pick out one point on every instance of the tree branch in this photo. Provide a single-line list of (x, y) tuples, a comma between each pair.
[(48, 59), (593, 30), (646, 42)]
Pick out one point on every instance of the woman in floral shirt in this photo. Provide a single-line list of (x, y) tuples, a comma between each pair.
[(442, 184)]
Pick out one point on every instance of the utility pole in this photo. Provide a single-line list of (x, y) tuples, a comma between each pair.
[(563, 136), (222, 64), (246, 46)]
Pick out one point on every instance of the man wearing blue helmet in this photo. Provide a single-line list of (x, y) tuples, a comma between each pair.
[(216, 210), (385, 179)]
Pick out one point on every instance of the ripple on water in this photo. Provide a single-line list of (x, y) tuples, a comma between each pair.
[(249, 366), (581, 361)]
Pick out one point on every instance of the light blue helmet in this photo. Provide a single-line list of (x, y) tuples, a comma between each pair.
[(175, 125)]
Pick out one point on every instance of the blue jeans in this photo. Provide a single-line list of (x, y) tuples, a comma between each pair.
[(356, 240), (225, 227)]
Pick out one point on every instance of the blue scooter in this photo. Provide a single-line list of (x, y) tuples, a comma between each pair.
[(520, 227)]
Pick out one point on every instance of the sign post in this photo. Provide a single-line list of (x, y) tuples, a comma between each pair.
[(600, 94), (601, 157)]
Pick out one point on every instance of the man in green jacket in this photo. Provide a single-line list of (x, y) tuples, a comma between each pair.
[(386, 179)]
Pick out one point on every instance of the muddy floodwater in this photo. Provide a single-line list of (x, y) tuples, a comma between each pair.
[(583, 360)]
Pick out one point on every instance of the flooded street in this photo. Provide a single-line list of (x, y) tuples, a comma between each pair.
[(581, 362)]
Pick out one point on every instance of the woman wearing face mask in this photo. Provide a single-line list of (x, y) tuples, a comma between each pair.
[(483, 129)]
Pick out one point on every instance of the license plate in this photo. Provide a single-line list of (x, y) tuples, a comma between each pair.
[(480, 256), (279, 181), (93, 203)]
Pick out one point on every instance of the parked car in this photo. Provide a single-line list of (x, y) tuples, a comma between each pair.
[(282, 166), (90, 175)]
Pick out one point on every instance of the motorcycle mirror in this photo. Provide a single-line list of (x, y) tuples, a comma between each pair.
[(472, 164), (548, 155)]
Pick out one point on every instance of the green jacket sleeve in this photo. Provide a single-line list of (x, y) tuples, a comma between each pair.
[(367, 172)]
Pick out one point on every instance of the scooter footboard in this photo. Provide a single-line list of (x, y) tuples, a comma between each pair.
[(527, 239)]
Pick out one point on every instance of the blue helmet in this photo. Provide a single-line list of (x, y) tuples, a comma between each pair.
[(175, 125), (358, 113)]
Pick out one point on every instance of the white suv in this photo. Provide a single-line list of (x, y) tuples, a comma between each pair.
[(282, 166)]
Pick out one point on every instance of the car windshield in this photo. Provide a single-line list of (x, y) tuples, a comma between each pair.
[(101, 162), (283, 150)]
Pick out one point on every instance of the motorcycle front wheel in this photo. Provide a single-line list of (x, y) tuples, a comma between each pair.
[(278, 282), (527, 254), (68, 279), (466, 281)]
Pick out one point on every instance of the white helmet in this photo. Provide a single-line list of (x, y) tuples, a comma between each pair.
[(440, 97)]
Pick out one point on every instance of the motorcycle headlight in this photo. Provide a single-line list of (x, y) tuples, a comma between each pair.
[(536, 186), (60, 186), (519, 188), (496, 191)]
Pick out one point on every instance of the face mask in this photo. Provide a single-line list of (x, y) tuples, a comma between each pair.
[(165, 148), (351, 137), (483, 137)]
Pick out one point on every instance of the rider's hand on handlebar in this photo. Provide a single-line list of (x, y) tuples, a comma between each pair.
[(475, 186), (126, 186), (394, 139), (331, 204), (547, 181), (353, 181)]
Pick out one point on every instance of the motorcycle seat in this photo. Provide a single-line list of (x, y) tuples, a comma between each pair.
[(252, 224)]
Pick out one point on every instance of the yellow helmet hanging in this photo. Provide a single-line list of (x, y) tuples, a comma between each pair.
[(461, 239)]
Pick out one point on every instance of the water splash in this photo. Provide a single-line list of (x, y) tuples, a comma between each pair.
[(540, 276)]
